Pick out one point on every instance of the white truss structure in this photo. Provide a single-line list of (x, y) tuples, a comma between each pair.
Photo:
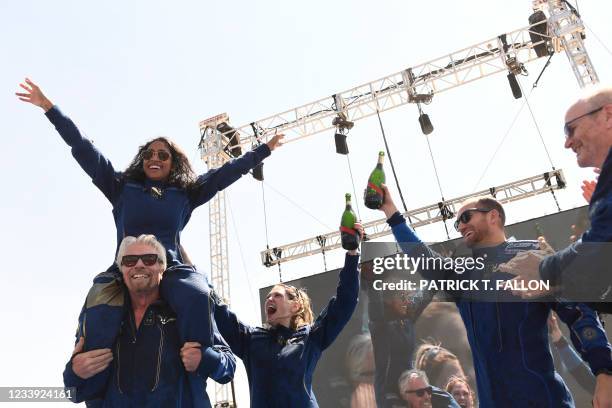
[(211, 149), (567, 33), (441, 211), (444, 73), (478, 61)]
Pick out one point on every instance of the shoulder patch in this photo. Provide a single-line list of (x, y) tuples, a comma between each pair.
[(518, 246), (261, 330), (588, 333)]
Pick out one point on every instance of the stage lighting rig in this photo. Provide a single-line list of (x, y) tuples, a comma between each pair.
[(424, 121), (421, 98), (418, 98), (343, 125), (539, 34), (232, 139), (515, 68)]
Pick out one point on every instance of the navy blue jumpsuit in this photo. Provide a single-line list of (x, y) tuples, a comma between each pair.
[(509, 337), (280, 361), (137, 211)]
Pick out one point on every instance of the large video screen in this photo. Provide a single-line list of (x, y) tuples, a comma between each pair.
[(435, 341)]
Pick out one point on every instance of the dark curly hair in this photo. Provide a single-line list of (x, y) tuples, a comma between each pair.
[(181, 173)]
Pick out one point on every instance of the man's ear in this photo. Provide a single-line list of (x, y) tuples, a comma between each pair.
[(608, 118), (494, 216)]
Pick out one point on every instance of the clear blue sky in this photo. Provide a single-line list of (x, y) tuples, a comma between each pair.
[(129, 71)]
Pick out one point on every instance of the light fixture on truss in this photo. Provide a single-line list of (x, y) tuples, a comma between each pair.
[(342, 127), (231, 138), (419, 98), (515, 68)]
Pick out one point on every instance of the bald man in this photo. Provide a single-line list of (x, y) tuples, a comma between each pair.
[(583, 271)]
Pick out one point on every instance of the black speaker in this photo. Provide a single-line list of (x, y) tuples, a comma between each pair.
[(538, 32), (514, 85), (341, 146), (426, 126)]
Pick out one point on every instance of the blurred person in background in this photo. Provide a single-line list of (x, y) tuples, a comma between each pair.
[(360, 368), (416, 392), (461, 391), (438, 363)]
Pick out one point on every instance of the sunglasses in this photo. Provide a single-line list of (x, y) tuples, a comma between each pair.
[(569, 131), (466, 216), (131, 260), (161, 154), (420, 392)]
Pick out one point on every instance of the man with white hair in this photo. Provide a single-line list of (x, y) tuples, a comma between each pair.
[(415, 390), (149, 366)]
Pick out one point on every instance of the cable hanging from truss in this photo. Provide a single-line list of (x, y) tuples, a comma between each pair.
[(274, 255), (244, 267), (356, 201), (516, 116), (260, 178), (599, 40), (263, 195), (535, 122), (444, 211), (382, 130)]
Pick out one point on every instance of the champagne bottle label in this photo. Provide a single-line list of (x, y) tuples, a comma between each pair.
[(347, 230), (373, 196), (375, 187), (350, 238)]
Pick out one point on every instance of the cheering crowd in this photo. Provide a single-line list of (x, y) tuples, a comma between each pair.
[(152, 330)]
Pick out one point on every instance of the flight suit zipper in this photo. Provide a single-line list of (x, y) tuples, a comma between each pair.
[(160, 350), (119, 366), (499, 332)]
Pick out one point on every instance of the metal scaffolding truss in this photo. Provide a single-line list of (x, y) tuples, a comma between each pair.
[(212, 153), (212, 145), (568, 31), (441, 211), (421, 82), (441, 74)]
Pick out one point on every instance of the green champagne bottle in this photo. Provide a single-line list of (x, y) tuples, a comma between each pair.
[(539, 230), (348, 234), (373, 196)]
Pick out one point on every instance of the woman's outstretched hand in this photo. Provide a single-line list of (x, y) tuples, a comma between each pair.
[(276, 141), (34, 95)]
